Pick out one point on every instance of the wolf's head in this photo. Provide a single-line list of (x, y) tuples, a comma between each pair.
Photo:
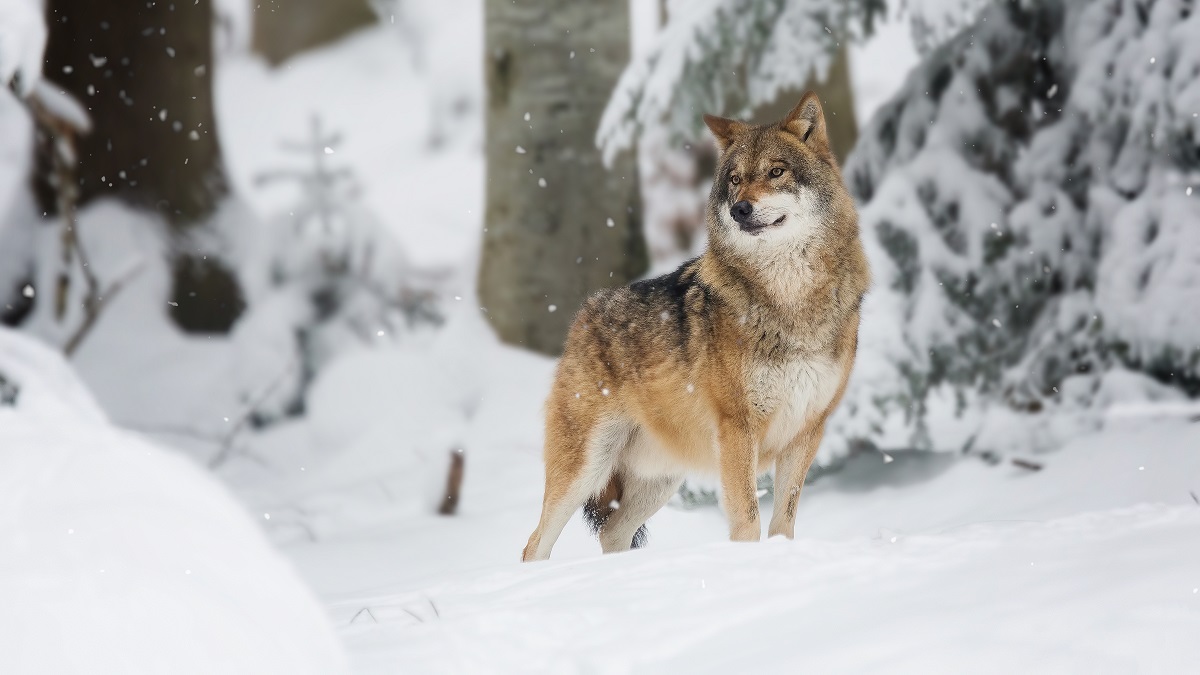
[(777, 185)]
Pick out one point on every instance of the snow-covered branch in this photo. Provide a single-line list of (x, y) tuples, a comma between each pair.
[(726, 57)]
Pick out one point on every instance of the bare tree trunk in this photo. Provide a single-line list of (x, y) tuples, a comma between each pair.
[(143, 70), (284, 28), (837, 98), (558, 225)]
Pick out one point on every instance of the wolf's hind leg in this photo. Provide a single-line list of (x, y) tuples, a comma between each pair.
[(640, 499), (575, 471)]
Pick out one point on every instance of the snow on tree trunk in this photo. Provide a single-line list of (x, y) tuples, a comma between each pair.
[(1027, 199), (558, 223), (143, 70)]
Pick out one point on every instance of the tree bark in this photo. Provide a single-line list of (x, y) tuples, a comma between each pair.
[(837, 99), (558, 224), (284, 28), (143, 70)]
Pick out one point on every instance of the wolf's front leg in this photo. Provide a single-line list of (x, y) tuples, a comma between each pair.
[(791, 467), (739, 460)]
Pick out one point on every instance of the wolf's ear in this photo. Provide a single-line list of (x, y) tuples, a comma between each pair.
[(725, 130), (807, 122)]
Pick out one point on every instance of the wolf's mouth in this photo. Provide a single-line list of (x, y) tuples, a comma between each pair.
[(756, 228)]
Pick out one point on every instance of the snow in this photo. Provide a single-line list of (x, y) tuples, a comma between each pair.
[(413, 142), (120, 557), (1028, 261), (1110, 524), (62, 106), (693, 64), (22, 41), (994, 598)]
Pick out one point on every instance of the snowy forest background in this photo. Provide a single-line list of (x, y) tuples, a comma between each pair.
[(312, 260)]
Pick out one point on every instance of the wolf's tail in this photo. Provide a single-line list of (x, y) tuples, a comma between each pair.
[(597, 510)]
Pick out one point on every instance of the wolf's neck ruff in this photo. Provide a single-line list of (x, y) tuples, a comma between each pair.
[(797, 304)]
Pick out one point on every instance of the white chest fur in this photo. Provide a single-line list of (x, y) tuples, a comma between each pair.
[(791, 393)]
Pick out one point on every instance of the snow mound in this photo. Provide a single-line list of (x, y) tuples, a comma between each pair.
[(118, 557), (1112, 591), (22, 41)]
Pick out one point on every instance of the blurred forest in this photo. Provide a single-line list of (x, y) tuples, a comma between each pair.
[(590, 170)]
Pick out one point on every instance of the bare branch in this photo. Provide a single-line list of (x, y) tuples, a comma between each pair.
[(227, 442), (1026, 464), (95, 301)]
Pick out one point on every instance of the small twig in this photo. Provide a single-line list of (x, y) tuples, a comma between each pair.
[(369, 613), (453, 483), (1195, 498), (413, 614), (1026, 464), (95, 302), (227, 446), (435, 609)]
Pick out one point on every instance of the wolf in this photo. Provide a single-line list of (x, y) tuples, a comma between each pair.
[(730, 365)]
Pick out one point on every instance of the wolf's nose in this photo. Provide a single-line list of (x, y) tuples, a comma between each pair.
[(741, 211)]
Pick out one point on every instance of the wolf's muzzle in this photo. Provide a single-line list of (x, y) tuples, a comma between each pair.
[(741, 211)]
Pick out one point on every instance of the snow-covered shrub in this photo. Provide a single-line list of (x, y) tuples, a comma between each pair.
[(1027, 203), (330, 276), (121, 557)]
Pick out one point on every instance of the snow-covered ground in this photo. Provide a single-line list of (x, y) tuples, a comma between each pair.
[(1110, 592), (118, 556), (927, 563)]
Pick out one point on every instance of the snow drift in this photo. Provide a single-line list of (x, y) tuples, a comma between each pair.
[(118, 557), (1072, 595)]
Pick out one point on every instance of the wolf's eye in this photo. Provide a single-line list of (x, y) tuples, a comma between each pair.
[(776, 172), (735, 180)]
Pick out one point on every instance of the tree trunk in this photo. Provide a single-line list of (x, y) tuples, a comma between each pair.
[(284, 28), (558, 225), (143, 70), (837, 99)]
